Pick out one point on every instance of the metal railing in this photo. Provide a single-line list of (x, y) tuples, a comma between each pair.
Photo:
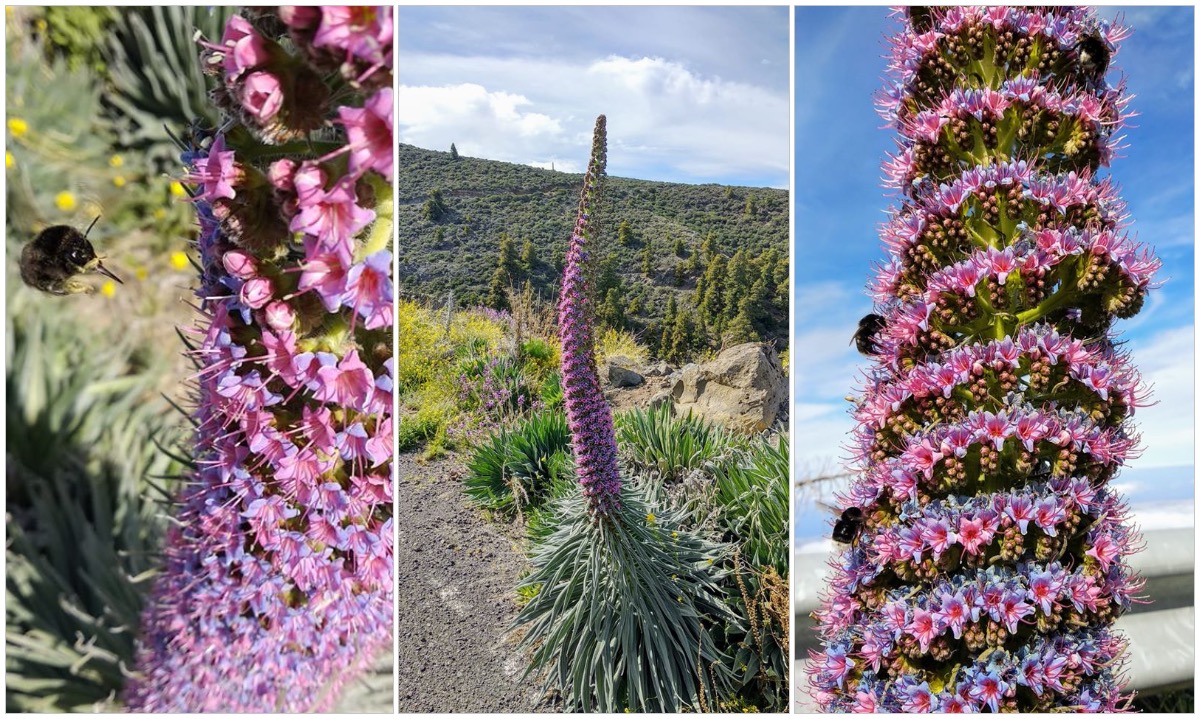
[(1161, 632)]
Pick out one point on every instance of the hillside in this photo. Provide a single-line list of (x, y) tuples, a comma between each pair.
[(479, 227)]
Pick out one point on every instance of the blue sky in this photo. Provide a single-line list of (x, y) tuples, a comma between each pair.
[(840, 203), (692, 94)]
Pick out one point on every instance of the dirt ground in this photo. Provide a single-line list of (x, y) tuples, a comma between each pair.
[(456, 572)]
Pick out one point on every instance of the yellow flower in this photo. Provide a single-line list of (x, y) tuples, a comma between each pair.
[(179, 260), (177, 189), (17, 126), (41, 25), (109, 288), (119, 181), (8, 159), (674, 535), (65, 201), (141, 273), (116, 161), (650, 517)]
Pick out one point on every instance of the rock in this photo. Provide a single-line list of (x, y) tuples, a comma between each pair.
[(664, 397), (658, 369), (742, 389), (619, 376)]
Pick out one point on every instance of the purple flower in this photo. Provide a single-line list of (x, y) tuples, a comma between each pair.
[(276, 582), (986, 556), (589, 417)]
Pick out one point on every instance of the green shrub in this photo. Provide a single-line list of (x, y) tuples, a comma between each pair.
[(539, 356), (83, 433), (156, 79), (657, 441), (750, 495), (552, 393), (519, 467), (619, 618)]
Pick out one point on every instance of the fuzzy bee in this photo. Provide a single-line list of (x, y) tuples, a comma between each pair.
[(864, 336), (848, 526), (1093, 55), (53, 260)]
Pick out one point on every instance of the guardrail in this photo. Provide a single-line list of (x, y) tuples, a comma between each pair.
[(1162, 649)]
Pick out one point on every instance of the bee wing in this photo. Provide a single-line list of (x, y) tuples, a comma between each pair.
[(829, 508)]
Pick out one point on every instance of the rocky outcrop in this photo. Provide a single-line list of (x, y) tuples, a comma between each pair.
[(621, 376), (744, 388)]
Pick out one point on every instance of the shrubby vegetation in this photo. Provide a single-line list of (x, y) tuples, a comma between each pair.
[(485, 386), (688, 267)]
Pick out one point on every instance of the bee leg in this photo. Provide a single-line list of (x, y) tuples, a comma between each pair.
[(75, 287)]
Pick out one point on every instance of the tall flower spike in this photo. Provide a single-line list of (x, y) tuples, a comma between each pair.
[(991, 564), (588, 414), (277, 580)]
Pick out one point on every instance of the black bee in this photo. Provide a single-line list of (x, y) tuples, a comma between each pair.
[(864, 336), (921, 17), (59, 253), (846, 529), (1093, 55)]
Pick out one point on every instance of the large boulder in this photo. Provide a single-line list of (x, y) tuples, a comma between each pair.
[(742, 389), (621, 376)]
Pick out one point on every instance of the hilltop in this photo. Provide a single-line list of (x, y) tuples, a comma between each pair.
[(483, 229)]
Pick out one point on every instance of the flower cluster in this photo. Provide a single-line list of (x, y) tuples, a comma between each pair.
[(589, 417), (278, 576), (990, 565)]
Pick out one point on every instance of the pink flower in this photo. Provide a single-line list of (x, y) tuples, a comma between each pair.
[(923, 628), (279, 316), (970, 534), (256, 292), (364, 31), (369, 289), (262, 95), (325, 271), (369, 130), (332, 216), (217, 173), (348, 384), (239, 264), (248, 49)]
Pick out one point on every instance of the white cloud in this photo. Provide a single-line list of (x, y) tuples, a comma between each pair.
[(660, 114), (1167, 362), (1164, 515)]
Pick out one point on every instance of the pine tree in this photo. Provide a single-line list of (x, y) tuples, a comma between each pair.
[(624, 234), (435, 207), (713, 302), (497, 297), (680, 249), (528, 255), (740, 328), (453, 152), (508, 255), (737, 284)]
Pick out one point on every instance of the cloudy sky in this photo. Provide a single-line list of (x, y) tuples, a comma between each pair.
[(692, 94), (839, 204)]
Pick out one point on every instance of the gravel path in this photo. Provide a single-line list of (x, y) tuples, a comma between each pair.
[(456, 573)]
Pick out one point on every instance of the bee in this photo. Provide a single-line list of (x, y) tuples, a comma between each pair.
[(51, 262), (846, 529), (1093, 55), (864, 336)]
